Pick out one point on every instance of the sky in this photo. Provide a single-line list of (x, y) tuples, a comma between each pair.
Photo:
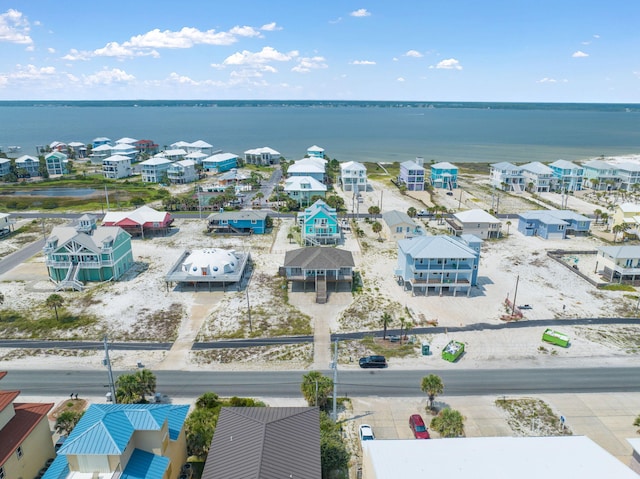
[(402, 50)]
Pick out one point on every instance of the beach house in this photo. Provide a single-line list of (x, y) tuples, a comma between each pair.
[(30, 164), (220, 162), (124, 149), (260, 436), (99, 153), (600, 175), (538, 177), (412, 174), (628, 175), (397, 225), (553, 224), (181, 172), (132, 441), (627, 213), (5, 166), (507, 177), (318, 266), (143, 221), (174, 154), (303, 189), (7, 223), (238, 222), (147, 147), (315, 152), (475, 222), (319, 225), (262, 156), (116, 166), (78, 149), (25, 437), (211, 268), (444, 175), (154, 170), (74, 257), (353, 176), (311, 167), (568, 176), (438, 264), (101, 140), (620, 264), (57, 163)]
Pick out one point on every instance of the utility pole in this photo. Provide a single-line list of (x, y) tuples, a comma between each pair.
[(513, 309), (107, 362), (335, 381), (106, 194), (248, 308)]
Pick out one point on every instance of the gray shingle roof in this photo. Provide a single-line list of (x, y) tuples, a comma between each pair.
[(318, 257), (265, 443)]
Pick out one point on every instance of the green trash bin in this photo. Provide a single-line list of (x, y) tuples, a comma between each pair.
[(426, 349)]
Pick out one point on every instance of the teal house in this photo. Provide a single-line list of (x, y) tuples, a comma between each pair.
[(444, 175), (319, 225), (74, 257), (220, 162)]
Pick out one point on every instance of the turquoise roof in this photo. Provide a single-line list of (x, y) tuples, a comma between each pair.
[(144, 465)]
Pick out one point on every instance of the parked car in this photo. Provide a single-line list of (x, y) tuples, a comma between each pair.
[(416, 423), (373, 362), (366, 433), (525, 306)]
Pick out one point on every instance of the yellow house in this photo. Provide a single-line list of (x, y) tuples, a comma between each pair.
[(627, 213), (25, 437)]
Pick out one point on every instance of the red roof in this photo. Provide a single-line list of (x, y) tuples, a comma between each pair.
[(27, 417), (2, 374), (7, 397)]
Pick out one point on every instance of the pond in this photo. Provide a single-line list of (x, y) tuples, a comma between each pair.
[(55, 192)]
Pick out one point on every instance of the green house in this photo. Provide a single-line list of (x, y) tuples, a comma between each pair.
[(453, 351), (73, 257)]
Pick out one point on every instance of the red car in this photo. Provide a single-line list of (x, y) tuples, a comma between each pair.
[(417, 426)]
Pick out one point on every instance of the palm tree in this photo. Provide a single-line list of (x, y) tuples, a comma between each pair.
[(67, 420), (127, 389), (55, 301), (449, 423), (289, 236), (316, 388), (377, 228), (432, 386), (412, 212), (146, 383), (374, 210), (508, 223), (598, 213), (386, 321), (605, 219), (208, 400), (637, 424), (259, 195)]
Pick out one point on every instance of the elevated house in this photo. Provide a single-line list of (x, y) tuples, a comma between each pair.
[(627, 213), (238, 222), (220, 162), (181, 172), (73, 257), (196, 146), (315, 152), (7, 223), (444, 175), (116, 167), (100, 141), (261, 435), (143, 221), (173, 154), (628, 176), (99, 153), (262, 156), (304, 188), (412, 175), (319, 225), (30, 164), (507, 177), (438, 264), (600, 175), (5, 166), (568, 176), (553, 224), (317, 266), (196, 156), (79, 149), (147, 147), (538, 177), (125, 149), (128, 441), (57, 163), (154, 169), (475, 222), (309, 167), (397, 225), (213, 268), (620, 264), (25, 437), (353, 176)]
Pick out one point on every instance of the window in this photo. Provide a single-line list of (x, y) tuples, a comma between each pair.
[(2, 476), (19, 452)]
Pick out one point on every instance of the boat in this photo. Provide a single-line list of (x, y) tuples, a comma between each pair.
[(13, 149)]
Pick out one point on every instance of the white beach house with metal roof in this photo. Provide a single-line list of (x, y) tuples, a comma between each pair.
[(304, 188), (538, 177), (475, 222), (153, 169), (262, 156), (507, 176), (353, 176), (116, 166)]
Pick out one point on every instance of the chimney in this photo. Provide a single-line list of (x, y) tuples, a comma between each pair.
[(420, 160)]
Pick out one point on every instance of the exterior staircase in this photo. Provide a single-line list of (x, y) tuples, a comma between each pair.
[(71, 279), (321, 289)]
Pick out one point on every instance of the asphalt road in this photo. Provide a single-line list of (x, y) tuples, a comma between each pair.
[(352, 383), (23, 254)]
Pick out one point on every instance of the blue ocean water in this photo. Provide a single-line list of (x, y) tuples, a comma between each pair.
[(360, 131)]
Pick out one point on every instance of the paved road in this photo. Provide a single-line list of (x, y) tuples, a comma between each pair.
[(352, 383), (52, 344), (14, 259)]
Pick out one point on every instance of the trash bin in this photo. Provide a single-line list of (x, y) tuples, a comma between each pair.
[(426, 349)]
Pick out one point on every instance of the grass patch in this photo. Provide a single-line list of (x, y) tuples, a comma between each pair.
[(532, 417), (619, 287), (280, 353), (20, 324)]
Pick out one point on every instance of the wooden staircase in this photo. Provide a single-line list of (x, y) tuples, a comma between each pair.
[(321, 289)]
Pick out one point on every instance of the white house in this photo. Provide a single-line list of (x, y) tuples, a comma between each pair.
[(154, 168), (116, 166), (304, 188), (538, 178), (313, 167), (353, 176), (262, 156), (475, 222), (99, 153), (182, 172), (507, 177), (315, 152)]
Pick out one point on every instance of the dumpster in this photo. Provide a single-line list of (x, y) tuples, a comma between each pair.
[(426, 349), (453, 351), (555, 337)]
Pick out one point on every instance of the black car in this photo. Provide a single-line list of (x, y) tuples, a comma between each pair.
[(373, 362)]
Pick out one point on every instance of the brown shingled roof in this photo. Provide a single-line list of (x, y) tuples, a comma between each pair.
[(27, 417), (317, 257)]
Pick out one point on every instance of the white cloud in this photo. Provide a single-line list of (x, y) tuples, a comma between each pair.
[(400, 79), (449, 64), (270, 27), (580, 54), (551, 80), (108, 77), (51, 50), (14, 28), (307, 64), (337, 20), (114, 49), (361, 12), (31, 72), (596, 36), (75, 55), (413, 54), (266, 55), (362, 62)]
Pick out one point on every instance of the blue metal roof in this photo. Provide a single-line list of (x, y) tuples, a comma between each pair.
[(59, 469), (144, 465)]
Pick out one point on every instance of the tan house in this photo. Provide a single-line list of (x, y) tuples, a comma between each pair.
[(397, 225), (475, 222), (25, 437)]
